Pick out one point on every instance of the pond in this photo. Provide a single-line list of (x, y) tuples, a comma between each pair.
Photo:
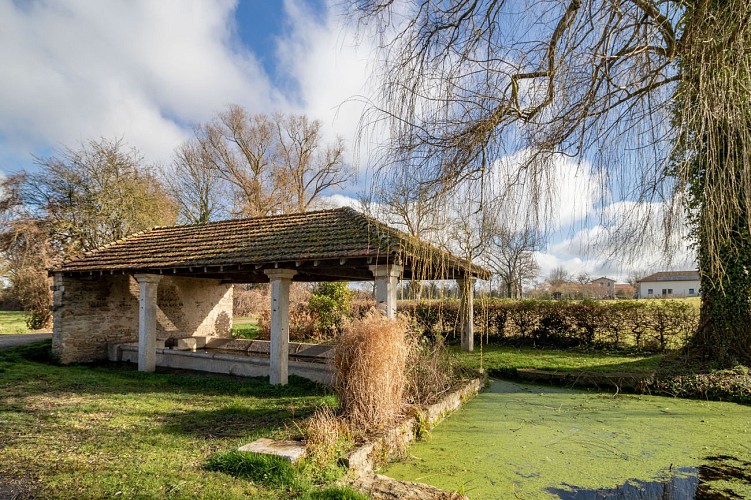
[(523, 441)]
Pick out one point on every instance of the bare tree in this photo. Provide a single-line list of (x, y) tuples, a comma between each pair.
[(510, 255), (558, 276), (583, 278), (24, 256), (273, 164), (308, 167), (646, 89), (76, 200), (193, 185)]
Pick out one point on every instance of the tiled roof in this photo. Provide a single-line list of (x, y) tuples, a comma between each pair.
[(601, 278), (279, 241), (672, 276)]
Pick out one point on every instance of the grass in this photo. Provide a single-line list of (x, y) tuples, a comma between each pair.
[(93, 431), (501, 358), (12, 322), (245, 327)]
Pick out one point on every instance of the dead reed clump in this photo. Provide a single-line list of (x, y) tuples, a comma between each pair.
[(326, 436), (369, 363), (430, 373)]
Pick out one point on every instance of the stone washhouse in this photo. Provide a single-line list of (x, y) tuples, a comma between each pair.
[(160, 296)]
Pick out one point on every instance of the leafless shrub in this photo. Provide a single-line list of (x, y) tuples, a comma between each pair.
[(250, 301), (370, 368), (429, 372), (301, 324)]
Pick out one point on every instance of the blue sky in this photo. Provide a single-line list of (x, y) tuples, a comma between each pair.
[(147, 71)]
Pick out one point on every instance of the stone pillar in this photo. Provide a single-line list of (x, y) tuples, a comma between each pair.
[(147, 285), (279, 355), (386, 276), (466, 312)]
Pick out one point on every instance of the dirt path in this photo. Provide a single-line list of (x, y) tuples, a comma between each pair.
[(22, 338)]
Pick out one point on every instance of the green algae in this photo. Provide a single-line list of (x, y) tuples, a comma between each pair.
[(524, 441)]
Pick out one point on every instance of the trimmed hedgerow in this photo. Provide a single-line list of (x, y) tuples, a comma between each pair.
[(647, 325)]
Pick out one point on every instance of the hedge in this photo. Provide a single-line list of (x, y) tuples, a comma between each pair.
[(650, 325)]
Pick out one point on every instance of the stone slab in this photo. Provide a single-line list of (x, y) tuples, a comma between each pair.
[(291, 450)]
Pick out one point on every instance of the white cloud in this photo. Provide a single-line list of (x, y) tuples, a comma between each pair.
[(563, 190), (331, 66), (338, 201), (140, 69)]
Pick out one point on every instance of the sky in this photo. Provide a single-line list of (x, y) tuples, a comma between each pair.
[(148, 71)]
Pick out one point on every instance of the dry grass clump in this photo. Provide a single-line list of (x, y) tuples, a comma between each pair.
[(326, 436), (369, 364)]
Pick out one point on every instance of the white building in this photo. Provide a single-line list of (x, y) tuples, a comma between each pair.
[(670, 284)]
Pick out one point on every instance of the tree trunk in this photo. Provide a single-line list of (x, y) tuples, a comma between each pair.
[(715, 150), (724, 335)]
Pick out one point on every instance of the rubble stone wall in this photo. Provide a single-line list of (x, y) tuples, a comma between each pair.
[(93, 311)]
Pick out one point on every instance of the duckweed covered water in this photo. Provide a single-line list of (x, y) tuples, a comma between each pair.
[(523, 441)]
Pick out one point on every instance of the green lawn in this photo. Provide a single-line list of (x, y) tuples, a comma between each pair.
[(244, 327), (494, 357), (13, 322), (95, 431)]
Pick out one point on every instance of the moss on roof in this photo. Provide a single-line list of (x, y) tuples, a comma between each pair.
[(342, 233)]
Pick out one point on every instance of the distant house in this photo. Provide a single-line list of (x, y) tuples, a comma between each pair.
[(604, 287), (670, 284)]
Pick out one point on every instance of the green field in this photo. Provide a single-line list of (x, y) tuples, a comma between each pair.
[(96, 431), (495, 357), (12, 322), (244, 327)]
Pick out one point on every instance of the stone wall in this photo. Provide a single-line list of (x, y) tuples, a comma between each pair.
[(90, 312)]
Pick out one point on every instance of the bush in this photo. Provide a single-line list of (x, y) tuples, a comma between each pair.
[(301, 324), (370, 375), (330, 304), (721, 385)]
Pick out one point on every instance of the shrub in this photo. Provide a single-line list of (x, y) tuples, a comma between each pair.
[(301, 324), (330, 304), (369, 366), (248, 300), (720, 385)]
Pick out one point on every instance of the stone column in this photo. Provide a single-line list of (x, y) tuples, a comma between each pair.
[(279, 355), (466, 312), (147, 287), (386, 277)]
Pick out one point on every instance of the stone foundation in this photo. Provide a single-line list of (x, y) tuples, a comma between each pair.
[(240, 364), (91, 312)]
